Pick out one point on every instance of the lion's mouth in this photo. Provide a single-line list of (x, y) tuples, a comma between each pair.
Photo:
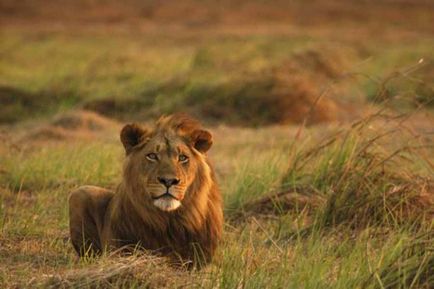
[(166, 194)]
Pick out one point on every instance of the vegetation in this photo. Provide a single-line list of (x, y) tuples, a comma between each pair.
[(360, 216), (322, 123), (126, 75)]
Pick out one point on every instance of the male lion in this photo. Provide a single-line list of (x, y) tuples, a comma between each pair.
[(167, 202)]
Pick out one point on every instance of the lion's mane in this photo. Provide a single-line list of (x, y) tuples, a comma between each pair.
[(191, 232)]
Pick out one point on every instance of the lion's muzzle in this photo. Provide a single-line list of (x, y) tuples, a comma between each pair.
[(166, 194)]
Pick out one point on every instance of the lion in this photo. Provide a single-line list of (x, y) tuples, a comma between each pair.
[(168, 201)]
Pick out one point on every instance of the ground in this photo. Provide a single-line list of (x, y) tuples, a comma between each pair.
[(322, 116)]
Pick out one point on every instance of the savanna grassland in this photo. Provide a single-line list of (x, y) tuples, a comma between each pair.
[(322, 116)]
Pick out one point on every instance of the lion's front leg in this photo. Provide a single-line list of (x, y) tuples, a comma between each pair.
[(87, 207)]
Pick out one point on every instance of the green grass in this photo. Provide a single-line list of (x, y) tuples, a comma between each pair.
[(358, 174), (409, 78), (341, 245), (329, 206), (329, 260), (255, 177), (62, 166), (220, 77)]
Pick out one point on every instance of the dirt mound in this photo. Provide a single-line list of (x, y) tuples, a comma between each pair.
[(16, 104), (401, 200), (263, 100), (294, 91), (72, 125), (121, 108), (322, 62), (254, 100), (301, 199), (83, 120)]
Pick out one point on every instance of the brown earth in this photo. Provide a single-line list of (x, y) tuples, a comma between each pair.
[(79, 124), (192, 13), (303, 89)]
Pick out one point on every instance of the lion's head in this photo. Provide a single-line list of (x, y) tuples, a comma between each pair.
[(165, 165)]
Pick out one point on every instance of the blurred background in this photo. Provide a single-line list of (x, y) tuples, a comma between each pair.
[(242, 63)]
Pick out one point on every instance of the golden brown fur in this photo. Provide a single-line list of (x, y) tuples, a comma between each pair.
[(168, 201)]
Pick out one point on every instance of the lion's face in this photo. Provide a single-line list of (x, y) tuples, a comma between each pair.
[(164, 163), (168, 165)]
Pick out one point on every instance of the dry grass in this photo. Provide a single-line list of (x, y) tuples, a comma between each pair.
[(71, 126), (142, 68), (337, 204), (144, 271), (354, 173), (347, 193)]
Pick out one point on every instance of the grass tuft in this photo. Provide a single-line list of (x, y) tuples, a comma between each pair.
[(355, 173)]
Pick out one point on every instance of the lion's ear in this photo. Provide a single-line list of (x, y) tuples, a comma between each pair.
[(202, 140), (131, 135)]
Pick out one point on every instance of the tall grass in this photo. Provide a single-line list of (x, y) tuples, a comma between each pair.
[(357, 214), (254, 175), (360, 173), (247, 260)]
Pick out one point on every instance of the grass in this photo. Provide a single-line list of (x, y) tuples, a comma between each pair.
[(254, 177), (333, 246), (340, 205), (119, 74), (358, 176), (29, 170)]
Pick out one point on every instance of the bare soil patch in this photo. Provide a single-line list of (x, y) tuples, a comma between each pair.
[(78, 124)]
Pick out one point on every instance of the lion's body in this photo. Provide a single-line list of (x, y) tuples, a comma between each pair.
[(183, 221)]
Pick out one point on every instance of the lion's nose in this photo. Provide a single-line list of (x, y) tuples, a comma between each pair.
[(167, 182)]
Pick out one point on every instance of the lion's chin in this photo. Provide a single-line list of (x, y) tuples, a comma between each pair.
[(167, 204)]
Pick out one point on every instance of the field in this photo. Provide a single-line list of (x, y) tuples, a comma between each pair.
[(323, 123)]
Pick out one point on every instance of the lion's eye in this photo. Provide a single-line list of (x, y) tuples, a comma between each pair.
[(183, 158), (152, 157)]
